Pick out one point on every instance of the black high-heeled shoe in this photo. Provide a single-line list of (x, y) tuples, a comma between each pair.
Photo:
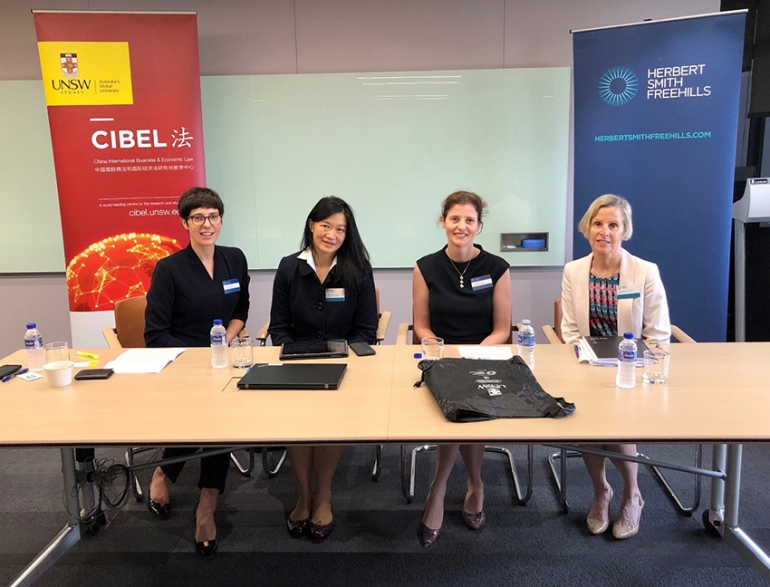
[(162, 510), (207, 548)]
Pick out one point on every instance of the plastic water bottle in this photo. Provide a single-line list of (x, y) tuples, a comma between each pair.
[(33, 342), (626, 362), (526, 342), (218, 345)]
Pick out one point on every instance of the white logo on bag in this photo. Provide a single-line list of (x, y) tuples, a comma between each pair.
[(492, 386)]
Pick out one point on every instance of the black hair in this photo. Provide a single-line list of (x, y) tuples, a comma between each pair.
[(199, 197), (352, 257)]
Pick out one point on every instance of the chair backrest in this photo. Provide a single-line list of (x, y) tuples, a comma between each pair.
[(557, 314), (383, 320), (129, 321), (406, 333), (677, 334)]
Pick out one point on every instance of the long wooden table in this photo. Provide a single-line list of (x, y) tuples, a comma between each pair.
[(717, 393)]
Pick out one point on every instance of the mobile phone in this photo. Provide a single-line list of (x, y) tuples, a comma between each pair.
[(361, 349), (8, 370), (94, 374)]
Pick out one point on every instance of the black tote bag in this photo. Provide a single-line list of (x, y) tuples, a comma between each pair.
[(470, 390)]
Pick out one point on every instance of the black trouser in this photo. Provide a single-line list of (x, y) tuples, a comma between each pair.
[(213, 469)]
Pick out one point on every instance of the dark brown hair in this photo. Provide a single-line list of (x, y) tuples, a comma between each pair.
[(460, 198)]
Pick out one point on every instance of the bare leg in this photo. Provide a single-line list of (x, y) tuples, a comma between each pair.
[(602, 491), (301, 459), (325, 459), (473, 457), (160, 487), (446, 454), (631, 501), (205, 528)]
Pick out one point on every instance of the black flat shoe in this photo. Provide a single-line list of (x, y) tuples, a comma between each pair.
[(207, 548), (474, 521), (428, 536), (299, 528), (320, 532), (163, 511)]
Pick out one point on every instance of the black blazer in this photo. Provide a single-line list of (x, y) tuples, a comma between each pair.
[(300, 310), (183, 300)]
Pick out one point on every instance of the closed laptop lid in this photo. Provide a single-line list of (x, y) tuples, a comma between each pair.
[(293, 376), (313, 349)]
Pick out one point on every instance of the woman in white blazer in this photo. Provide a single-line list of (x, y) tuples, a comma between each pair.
[(607, 293)]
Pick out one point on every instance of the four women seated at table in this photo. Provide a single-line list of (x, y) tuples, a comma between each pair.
[(607, 293), (460, 293)]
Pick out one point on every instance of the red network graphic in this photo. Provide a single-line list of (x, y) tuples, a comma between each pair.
[(115, 268)]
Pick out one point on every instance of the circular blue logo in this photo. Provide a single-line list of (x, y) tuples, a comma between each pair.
[(618, 86)]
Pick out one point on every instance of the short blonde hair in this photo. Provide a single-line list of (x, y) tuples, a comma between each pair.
[(605, 201)]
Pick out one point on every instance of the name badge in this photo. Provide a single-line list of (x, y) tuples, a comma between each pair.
[(231, 286), (628, 292), (335, 294), (481, 282)]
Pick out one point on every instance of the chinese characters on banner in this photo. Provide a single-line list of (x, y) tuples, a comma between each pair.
[(124, 108)]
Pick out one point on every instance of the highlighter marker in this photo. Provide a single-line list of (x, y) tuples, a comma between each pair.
[(87, 355)]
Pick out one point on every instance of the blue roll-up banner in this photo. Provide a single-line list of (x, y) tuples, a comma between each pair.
[(656, 121)]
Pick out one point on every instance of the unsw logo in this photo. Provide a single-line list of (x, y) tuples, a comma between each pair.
[(70, 71)]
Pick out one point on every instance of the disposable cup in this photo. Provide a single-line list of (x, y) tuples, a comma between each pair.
[(59, 373)]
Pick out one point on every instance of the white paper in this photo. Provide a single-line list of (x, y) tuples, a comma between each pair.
[(501, 353), (144, 360)]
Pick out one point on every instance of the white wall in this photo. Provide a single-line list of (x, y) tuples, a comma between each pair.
[(324, 36)]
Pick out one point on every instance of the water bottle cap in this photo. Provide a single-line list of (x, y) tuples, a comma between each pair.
[(31, 325), (628, 335), (217, 322), (526, 322)]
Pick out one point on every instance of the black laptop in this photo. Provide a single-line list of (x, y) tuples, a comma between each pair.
[(314, 349), (293, 376)]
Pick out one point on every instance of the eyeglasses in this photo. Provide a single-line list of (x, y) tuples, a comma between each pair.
[(200, 219)]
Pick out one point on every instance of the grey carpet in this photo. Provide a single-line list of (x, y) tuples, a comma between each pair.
[(375, 541)]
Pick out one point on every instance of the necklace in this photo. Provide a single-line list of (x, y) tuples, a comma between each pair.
[(462, 279)]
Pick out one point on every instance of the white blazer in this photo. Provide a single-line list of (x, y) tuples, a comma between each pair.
[(646, 315)]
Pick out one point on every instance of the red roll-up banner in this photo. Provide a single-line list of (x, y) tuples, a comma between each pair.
[(124, 108)]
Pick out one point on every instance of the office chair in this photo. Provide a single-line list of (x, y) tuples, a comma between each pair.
[(129, 333), (406, 336), (383, 320), (554, 336)]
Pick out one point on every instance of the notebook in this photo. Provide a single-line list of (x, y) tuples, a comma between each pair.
[(603, 350), (314, 349), (293, 376)]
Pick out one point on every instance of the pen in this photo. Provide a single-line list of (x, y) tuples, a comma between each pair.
[(577, 351), (12, 375), (87, 355)]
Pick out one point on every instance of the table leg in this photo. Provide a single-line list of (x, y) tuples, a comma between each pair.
[(733, 533), (67, 536)]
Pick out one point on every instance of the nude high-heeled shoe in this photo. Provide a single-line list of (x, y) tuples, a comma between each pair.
[(599, 525)]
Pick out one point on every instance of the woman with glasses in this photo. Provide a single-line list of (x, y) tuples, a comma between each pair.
[(324, 292), (189, 290)]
